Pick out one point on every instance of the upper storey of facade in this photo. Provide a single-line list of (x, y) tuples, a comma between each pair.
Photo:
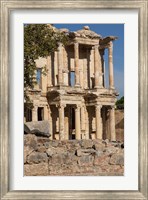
[(79, 66)]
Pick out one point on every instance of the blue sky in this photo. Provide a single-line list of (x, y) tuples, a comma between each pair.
[(118, 49)]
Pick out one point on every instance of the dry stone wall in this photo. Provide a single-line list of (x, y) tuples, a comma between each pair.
[(43, 157)]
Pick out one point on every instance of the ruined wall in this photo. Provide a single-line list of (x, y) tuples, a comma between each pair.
[(43, 157)]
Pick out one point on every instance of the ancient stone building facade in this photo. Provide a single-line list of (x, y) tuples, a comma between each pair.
[(73, 96)]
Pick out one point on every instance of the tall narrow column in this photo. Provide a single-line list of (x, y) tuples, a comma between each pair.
[(60, 65), (50, 122), (104, 123), (112, 124), (86, 124), (34, 114), (77, 123), (61, 121), (110, 63), (82, 118), (49, 71), (102, 67), (98, 122), (97, 67), (76, 55), (45, 112)]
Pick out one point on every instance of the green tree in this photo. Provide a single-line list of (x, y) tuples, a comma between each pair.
[(40, 40), (120, 103)]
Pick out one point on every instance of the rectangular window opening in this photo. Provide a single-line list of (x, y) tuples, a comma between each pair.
[(72, 78), (38, 77), (40, 113)]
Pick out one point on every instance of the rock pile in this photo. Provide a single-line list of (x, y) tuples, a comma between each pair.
[(72, 157)]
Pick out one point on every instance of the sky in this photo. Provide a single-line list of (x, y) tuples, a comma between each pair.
[(118, 49)]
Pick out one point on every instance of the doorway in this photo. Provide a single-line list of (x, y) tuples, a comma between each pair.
[(40, 113)]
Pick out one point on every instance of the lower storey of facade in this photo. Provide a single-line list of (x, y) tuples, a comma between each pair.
[(75, 121)]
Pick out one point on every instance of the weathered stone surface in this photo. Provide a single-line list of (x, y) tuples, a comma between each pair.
[(39, 128), (30, 141), (99, 146), (40, 169), (86, 160), (86, 144), (27, 152), (101, 160), (110, 150), (37, 157), (71, 158), (41, 149), (81, 152), (117, 159)]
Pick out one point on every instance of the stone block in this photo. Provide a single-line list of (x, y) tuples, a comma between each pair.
[(117, 159), (86, 161), (37, 157), (39, 128), (86, 144), (30, 141), (40, 169)]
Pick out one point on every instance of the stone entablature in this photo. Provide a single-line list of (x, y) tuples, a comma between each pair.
[(73, 95)]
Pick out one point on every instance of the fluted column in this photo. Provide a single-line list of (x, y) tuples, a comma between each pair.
[(112, 124), (60, 65), (110, 63), (34, 114), (76, 55), (98, 122), (77, 123), (61, 121)]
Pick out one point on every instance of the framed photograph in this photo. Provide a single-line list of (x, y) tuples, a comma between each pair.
[(74, 114)]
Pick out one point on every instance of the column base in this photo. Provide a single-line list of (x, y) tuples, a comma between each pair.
[(77, 85), (98, 87), (111, 87)]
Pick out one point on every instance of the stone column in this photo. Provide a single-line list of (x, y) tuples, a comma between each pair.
[(55, 81), (104, 123), (34, 114), (61, 121), (50, 122), (45, 112), (82, 118), (110, 64), (77, 123), (102, 68), (112, 124), (76, 55), (98, 122), (86, 124), (97, 67), (60, 65), (49, 71)]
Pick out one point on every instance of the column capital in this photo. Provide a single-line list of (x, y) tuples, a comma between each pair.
[(110, 44), (98, 106), (78, 107), (61, 105), (112, 107), (35, 107), (96, 46), (76, 43)]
